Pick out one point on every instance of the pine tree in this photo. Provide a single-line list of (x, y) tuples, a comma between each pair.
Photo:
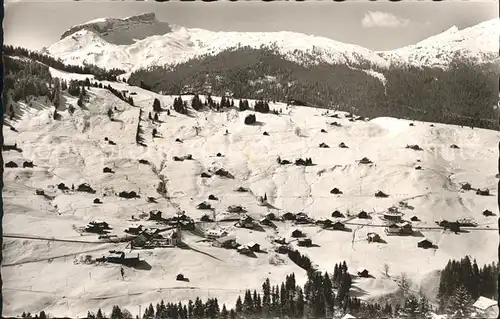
[(99, 314), (116, 313), (424, 307), (266, 298), (410, 308), (156, 105), (190, 309), (460, 303), (149, 313), (224, 313), (42, 315), (239, 305), (300, 303), (328, 293)]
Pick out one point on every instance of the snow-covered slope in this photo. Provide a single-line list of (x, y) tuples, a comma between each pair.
[(479, 43), (143, 41), (48, 273), (82, 44)]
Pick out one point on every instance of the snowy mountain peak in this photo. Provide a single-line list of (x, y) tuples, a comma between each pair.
[(123, 31), (478, 43), (141, 41)]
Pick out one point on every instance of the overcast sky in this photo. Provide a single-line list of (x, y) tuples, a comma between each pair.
[(375, 25)]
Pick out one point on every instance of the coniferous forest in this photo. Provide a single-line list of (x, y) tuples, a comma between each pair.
[(99, 73), (463, 94), (324, 295)]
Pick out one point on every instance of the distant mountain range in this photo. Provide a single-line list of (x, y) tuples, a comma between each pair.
[(142, 41)]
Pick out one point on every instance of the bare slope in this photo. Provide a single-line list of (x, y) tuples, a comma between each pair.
[(73, 151)]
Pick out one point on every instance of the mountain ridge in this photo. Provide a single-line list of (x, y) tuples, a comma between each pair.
[(140, 41)]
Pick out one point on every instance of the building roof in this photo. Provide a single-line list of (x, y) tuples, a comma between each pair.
[(251, 244), (348, 316), (484, 303), (404, 224), (225, 239), (425, 240), (436, 316), (97, 221)]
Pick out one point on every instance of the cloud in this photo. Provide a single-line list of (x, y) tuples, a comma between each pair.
[(383, 20)]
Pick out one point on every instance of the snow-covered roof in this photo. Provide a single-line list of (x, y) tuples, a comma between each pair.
[(393, 213), (225, 239), (404, 224), (348, 316), (251, 244), (484, 303), (436, 316)]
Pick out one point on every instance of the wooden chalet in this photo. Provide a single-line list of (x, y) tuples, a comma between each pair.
[(337, 214), (302, 218), (486, 307), (134, 230), (244, 250), (267, 222), (228, 242), (399, 229), (338, 226), (363, 272), (363, 215), (425, 244), (304, 242), (373, 237), (288, 216), (215, 233), (246, 222), (155, 215), (253, 246), (282, 249), (297, 233), (119, 257)]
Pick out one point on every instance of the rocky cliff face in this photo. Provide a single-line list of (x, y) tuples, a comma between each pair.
[(123, 31)]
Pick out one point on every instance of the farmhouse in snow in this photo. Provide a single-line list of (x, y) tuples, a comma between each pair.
[(399, 229), (486, 308)]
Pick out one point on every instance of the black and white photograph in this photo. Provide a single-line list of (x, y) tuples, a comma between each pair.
[(250, 159)]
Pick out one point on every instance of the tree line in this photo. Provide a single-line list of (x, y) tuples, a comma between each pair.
[(462, 94), (324, 295), (462, 282), (99, 73)]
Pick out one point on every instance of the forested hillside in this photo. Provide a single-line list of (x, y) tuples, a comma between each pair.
[(99, 73), (463, 94)]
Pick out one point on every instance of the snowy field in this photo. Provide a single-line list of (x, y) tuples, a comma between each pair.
[(45, 273)]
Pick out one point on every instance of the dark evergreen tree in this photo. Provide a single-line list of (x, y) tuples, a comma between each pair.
[(99, 314), (156, 105), (250, 119), (239, 305), (116, 313), (459, 304), (224, 313)]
